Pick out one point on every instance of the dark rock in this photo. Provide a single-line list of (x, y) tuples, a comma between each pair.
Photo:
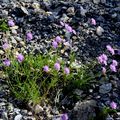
[(105, 88), (84, 110)]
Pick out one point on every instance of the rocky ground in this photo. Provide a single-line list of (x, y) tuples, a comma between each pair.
[(43, 18)]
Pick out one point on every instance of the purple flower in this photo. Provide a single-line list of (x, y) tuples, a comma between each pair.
[(68, 28), (66, 71), (54, 44), (5, 46), (46, 68), (6, 62), (113, 68), (102, 59), (20, 58), (103, 70), (74, 32), (114, 62), (11, 23), (58, 39), (110, 49), (57, 66), (29, 36), (113, 105), (64, 117), (62, 23), (93, 21)]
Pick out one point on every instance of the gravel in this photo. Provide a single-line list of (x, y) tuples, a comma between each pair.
[(43, 18)]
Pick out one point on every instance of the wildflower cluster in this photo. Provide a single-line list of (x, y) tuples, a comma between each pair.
[(32, 77), (103, 60)]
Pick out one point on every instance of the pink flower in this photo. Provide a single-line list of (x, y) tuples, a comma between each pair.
[(62, 23), (114, 62), (64, 117), (102, 59), (74, 32), (113, 105), (113, 68), (11, 23), (103, 70), (66, 71), (110, 49), (29, 36), (58, 39), (57, 66), (6, 62), (5, 46), (93, 21), (68, 28), (46, 68), (20, 58), (54, 44)]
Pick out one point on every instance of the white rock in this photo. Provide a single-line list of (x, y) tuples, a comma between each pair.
[(14, 27), (83, 11), (14, 31), (24, 10), (5, 116), (1, 52), (18, 117), (99, 30), (38, 109)]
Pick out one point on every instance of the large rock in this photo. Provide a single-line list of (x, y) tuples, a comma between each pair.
[(84, 110)]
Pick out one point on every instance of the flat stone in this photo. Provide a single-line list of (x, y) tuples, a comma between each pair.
[(24, 10), (18, 117), (82, 110), (96, 1), (105, 88)]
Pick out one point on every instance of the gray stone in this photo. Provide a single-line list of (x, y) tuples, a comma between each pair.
[(71, 11), (82, 11), (4, 116), (24, 112), (18, 38), (99, 30), (17, 111), (2, 104), (14, 31), (84, 110), (24, 10), (10, 107), (18, 117), (78, 92), (105, 88), (85, 1), (103, 1), (64, 18), (13, 40), (38, 109), (96, 1)]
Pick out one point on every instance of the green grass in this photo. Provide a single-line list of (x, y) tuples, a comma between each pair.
[(3, 25)]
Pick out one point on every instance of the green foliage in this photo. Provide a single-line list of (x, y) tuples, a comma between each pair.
[(28, 81), (103, 113), (3, 25)]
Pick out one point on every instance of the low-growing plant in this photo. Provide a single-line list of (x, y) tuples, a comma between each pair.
[(34, 76), (3, 25)]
